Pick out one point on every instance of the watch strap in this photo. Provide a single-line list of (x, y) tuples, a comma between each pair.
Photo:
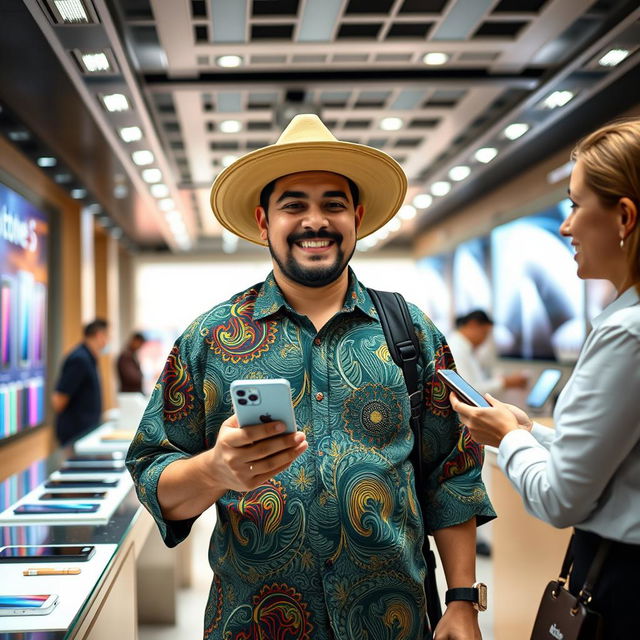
[(469, 594)]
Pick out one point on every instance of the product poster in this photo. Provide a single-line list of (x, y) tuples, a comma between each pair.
[(23, 317)]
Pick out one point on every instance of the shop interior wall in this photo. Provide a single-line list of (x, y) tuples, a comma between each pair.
[(73, 279)]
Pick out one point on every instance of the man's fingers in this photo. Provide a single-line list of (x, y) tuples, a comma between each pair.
[(278, 462), (272, 446), (243, 436)]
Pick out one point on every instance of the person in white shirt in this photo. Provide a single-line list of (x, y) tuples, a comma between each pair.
[(473, 330), (586, 473)]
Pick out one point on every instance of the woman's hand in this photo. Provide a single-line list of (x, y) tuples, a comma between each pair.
[(490, 425)]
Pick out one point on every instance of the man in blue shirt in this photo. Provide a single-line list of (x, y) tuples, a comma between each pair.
[(77, 399)]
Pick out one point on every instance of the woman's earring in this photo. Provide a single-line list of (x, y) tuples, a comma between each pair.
[(622, 243)]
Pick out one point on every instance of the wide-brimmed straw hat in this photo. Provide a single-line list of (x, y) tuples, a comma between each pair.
[(307, 145)]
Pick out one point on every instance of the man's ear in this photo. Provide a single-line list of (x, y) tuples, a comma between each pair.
[(359, 215), (263, 222)]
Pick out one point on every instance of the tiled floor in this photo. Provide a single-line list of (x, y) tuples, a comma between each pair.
[(191, 602)]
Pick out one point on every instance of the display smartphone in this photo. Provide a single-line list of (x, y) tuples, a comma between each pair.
[(76, 507), (29, 605), (543, 388), (72, 463), (73, 495), (45, 553), (260, 401), (464, 391), (80, 484), (89, 469)]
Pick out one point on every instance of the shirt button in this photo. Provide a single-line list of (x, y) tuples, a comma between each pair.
[(328, 563), (317, 342), (319, 396)]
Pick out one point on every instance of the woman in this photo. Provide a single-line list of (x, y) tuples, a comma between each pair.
[(586, 472)]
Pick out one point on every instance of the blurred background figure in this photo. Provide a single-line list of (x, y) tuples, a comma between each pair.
[(128, 365), (77, 399), (472, 331)]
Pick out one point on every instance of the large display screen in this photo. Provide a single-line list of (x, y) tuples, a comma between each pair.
[(538, 298), (23, 302), (434, 277), (471, 280)]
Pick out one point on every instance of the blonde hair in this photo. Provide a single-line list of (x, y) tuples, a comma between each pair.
[(610, 157)]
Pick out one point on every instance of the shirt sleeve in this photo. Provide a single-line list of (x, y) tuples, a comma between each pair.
[(452, 460), (544, 435), (172, 428), (596, 429), (74, 372)]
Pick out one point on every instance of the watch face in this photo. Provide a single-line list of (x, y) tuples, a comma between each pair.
[(482, 595)]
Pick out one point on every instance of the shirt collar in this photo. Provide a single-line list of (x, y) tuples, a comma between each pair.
[(270, 299), (626, 299)]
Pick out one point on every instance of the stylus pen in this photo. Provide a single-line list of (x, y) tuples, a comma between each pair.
[(51, 572)]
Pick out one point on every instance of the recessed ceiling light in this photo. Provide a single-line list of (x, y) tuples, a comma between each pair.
[(394, 224), (486, 154), (159, 190), (391, 124), (381, 234), (229, 61), (613, 57), (95, 62), (515, 130), (142, 157), (19, 136), (369, 241), (230, 126), (407, 211), (94, 209), (47, 161), (71, 11), (459, 173), (557, 99), (115, 102), (120, 191), (167, 204), (130, 134), (436, 58), (62, 178), (152, 175), (422, 201), (228, 160), (440, 188), (78, 194), (173, 216), (116, 233)]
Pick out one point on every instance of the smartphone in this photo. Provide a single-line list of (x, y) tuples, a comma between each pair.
[(89, 469), (76, 507), (80, 484), (463, 389), (260, 401), (107, 457), (28, 605), (543, 388), (94, 464), (35, 553), (73, 495)]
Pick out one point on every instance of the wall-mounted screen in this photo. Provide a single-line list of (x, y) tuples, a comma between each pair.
[(24, 233), (471, 280), (538, 298), (434, 282)]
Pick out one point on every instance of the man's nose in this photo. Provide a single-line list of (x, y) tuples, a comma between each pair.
[(315, 218)]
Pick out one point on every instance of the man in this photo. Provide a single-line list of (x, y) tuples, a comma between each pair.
[(77, 399), (473, 330), (319, 533), (128, 365)]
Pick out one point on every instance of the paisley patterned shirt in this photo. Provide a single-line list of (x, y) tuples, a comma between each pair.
[(329, 549)]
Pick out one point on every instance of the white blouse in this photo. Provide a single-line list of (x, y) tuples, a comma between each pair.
[(586, 472)]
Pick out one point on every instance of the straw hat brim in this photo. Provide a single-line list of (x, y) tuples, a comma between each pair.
[(236, 191)]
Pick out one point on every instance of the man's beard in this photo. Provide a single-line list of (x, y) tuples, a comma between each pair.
[(308, 276)]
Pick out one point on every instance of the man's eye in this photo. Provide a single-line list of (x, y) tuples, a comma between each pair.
[(336, 205)]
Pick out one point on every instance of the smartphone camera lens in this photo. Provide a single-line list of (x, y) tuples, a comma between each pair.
[(253, 397), (240, 393), (242, 401)]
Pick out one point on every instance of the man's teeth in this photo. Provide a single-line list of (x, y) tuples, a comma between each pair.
[(314, 244)]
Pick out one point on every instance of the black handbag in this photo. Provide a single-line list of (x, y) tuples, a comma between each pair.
[(563, 616), (404, 348)]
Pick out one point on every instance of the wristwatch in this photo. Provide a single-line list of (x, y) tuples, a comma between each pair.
[(477, 595)]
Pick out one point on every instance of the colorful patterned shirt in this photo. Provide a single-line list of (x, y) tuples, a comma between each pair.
[(329, 549)]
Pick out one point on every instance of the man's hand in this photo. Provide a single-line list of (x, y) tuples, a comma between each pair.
[(245, 457), (459, 622)]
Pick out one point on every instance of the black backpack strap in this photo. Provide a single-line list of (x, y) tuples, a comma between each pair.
[(404, 348)]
